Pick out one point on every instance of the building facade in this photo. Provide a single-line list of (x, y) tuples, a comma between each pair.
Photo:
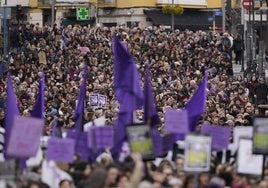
[(198, 14)]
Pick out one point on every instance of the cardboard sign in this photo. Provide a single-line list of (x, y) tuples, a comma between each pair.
[(42, 57), (61, 150), (25, 137)]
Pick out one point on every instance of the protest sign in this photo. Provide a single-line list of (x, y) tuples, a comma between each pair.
[(61, 150), (25, 137), (260, 135), (104, 137), (239, 132), (80, 143), (220, 136), (140, 140), (7, 170), (176, 121), (247, 162), (42, 57), (102, 101), (197, 153), (94, 100)]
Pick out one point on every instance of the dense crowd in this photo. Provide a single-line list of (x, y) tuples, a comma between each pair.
[(177, 61)]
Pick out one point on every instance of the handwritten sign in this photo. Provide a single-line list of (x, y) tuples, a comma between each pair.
[(25, 137), (61, 150), (220, 136), (176, 121)]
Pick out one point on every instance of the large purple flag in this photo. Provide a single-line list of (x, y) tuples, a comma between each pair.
[(197, 104), (79, 110), (150, 113), (127, 90), (39, 106), (12, 110)]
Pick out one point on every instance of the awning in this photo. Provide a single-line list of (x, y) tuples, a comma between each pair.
[(190, 19)]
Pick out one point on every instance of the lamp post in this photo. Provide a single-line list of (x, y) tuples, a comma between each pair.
[(223, 16)]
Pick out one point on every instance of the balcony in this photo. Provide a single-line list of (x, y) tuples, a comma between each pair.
[(44, 3), (183, 2), (106, 3)]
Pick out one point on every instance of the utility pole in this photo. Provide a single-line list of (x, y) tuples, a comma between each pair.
[(5, 29), (52, 12), (223, 16)]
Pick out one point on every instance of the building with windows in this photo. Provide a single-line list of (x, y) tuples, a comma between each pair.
[(197, 14)]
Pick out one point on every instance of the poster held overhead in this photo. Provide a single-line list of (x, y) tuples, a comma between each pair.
[(260, 135), (197, 153)]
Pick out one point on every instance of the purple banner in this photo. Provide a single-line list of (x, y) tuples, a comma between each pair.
[(25, 137), (176, 121), (220, 136), (59, 149)]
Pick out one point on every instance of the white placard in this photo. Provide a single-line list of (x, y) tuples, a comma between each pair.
[(248, 163)]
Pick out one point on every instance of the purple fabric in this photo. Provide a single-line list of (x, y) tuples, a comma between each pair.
[(39, 106), (197, 104), (127, 90), (12, 110), (79, 110), (150, 113)]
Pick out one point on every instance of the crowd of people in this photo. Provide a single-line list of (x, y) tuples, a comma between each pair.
[(177, 61)]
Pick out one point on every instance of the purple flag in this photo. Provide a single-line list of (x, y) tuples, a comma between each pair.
[(60, 149), (150, 113), (127, 90), (126, 78), (220, 136), (39, 107), (56, 130), (197, 104), (79, 110), (12, 110)]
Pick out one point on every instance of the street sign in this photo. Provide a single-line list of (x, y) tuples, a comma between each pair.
[(247, 4), (218, 13), (82, 13)]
